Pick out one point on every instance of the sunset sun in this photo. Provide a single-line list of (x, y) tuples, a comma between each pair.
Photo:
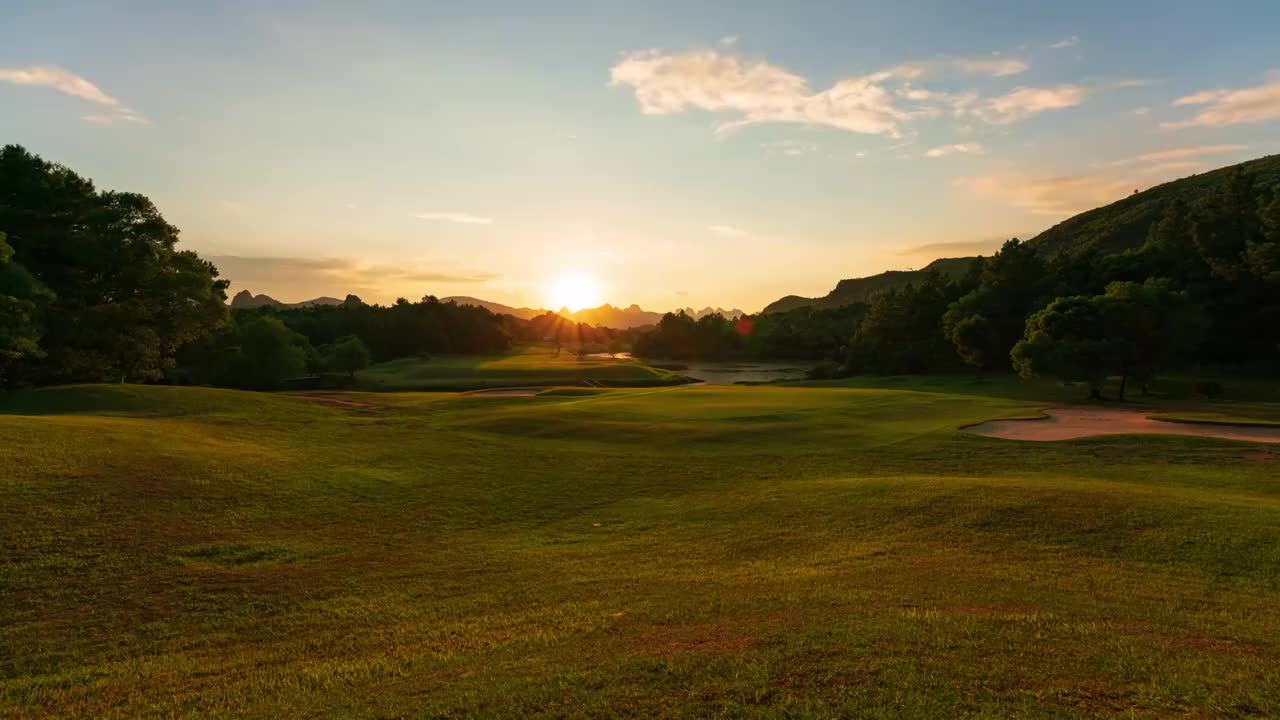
[(574, 290)]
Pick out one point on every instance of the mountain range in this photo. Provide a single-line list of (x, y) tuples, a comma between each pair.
[(604, 316), (245, 300), (1122, 225)]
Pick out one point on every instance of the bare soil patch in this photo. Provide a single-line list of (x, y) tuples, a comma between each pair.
[(1073, 423)]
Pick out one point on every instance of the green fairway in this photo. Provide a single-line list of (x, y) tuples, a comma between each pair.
[(686, 551), (530, 366)]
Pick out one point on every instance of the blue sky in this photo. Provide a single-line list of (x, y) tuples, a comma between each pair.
[(721, 154)]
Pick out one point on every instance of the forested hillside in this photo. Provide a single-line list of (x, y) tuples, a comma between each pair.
[(1122, 225)]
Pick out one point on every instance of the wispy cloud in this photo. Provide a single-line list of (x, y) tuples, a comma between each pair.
[(334, 275), (758, 92), (1256, 104), (992, 66), (729, 40), (1173, 154), (454, 217), (69, 83), (1064, 43), (790, 147), (962, 148), (728, 231), (1027, 102)]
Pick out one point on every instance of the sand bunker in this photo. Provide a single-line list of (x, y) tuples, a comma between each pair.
[(1072, 423)]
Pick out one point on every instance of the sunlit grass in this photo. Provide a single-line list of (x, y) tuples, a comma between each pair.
[(658, 552)]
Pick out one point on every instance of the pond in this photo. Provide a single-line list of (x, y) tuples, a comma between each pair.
[(728, 373)]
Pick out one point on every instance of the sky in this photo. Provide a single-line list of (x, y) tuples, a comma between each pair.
[(668, 154)]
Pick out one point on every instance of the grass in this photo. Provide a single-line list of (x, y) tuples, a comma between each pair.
[(534, 366), (762, 552)]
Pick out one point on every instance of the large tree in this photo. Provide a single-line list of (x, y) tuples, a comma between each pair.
[(986, 322), (126, 297), (1067, 340)]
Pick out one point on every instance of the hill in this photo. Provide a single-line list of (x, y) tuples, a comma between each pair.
[(1122, 225), (858, 289), (523, 313), (245, 300)]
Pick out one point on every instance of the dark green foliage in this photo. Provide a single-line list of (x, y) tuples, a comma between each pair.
[(902, 332), (1067, 340), (121, 298), (679, 337), (21, 298), (1154, 326), (348, 355), (985, 323), (268, 353), (403, 329)]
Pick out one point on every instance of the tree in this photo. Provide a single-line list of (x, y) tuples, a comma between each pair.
[(1150, 326), (901, 332), (124, 299), (21, 297), (986, 322), (349, 355), (1067, 340), (267, 353)]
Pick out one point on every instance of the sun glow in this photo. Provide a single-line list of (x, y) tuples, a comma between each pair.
[(574, 290)]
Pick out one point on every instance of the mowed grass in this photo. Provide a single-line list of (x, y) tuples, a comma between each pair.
[(767, 552), (535, 366)]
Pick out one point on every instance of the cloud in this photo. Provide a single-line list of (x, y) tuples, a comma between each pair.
[(1069, 42), (995, 67), (1027, 102), (791, 148), (1174, 154), (1144, 110), (1256, 104), (69, 83), (454, 217), (729, 40), (959, 103), (944, 150), (962, 248), (332, 275), (758, 92), (728, 231)]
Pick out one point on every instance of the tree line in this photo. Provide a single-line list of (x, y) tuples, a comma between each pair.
[(1204, 288), (94, 289)]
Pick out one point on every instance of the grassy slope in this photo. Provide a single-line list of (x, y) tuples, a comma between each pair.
[(531, 366), (688, 551)]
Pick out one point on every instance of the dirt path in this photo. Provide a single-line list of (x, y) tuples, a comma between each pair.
[(1072, 423)]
